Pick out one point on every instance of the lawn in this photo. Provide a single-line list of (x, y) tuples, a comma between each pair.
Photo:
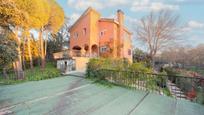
[(36, 74)]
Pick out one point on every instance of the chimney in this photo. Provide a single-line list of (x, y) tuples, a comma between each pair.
[(120, 17)]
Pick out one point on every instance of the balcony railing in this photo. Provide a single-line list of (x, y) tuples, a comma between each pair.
[(180, 87), (78, 53)]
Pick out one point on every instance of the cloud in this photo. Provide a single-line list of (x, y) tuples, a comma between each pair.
[(132, 22), (97, 4), (146, 5), (195, 25)]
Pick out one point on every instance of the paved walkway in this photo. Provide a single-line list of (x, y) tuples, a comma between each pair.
[(175, 91), (77, 96)]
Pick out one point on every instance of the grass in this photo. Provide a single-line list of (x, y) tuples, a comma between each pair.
[(166, 92), (36, 74)]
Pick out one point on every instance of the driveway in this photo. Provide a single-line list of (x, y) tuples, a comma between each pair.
[(71, 95)]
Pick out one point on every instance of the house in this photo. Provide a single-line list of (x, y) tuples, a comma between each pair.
[(93, 36)]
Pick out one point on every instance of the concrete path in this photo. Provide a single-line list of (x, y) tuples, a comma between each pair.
[(175, 91), (78, 96)]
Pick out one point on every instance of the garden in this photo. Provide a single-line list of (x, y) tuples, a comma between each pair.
[(140, 76), (121, 72)]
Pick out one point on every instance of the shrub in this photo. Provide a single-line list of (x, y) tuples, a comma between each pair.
[(95, 65), (171, 73), (161, 79), (139, 67), (33, 75)]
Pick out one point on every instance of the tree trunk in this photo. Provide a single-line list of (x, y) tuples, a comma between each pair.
[(29, 53), (4, 73), (23, 54), (42, 56), (45, 50), (18, 63)]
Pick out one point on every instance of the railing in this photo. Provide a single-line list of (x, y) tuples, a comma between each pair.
[(76, 53), (12, 75), (180, 87), (30, 75)]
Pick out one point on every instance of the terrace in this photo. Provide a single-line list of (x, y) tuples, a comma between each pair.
[(76, 95)]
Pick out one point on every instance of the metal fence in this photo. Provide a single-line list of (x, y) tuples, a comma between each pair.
[(180, 87), (12, 77)]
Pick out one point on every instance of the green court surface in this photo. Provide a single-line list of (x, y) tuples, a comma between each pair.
[(73, 95)]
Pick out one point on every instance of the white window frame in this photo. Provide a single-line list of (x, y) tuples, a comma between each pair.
[(76, 35), (84, 31), (103, 49), (102, 33)]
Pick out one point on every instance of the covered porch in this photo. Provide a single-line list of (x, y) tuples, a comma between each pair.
[(85, 51)]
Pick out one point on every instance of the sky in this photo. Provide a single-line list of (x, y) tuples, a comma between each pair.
[(191, 14)]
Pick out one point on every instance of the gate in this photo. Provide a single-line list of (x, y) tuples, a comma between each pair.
[(67, 65)]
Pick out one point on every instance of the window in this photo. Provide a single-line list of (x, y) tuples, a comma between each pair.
[(102, 33), (129, 52), (84, 31), (76, 35), (103, 49)]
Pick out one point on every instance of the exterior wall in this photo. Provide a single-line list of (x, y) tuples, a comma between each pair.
[(94, 32), (82, 39), (109, 36), (127, 46), (90, 22), (58, 55), (94, 29), (116, 36), (81, 63)]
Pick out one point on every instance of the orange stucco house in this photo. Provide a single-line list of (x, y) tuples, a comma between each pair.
[(93, 36)]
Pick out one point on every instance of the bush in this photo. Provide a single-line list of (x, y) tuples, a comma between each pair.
[(139, 67), (171, 73), (161, 79), (95, 65), (33, 75)]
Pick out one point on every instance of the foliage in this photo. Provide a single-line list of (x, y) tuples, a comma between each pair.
[(11, 14), (114, 64), (141, 56), (34, 49), (170, 71), (158, 30), (37, 12), (55, 21), (8, 50), (186, 57), (109, 51), (58, 41), (126, 74), (56, 18), (139, 67), (21, 16), (33, 75)]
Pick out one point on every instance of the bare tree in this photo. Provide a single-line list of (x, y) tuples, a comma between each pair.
[(185, 55), (158, 30)]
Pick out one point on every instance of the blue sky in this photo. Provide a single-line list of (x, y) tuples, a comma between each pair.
[(191, 13)]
